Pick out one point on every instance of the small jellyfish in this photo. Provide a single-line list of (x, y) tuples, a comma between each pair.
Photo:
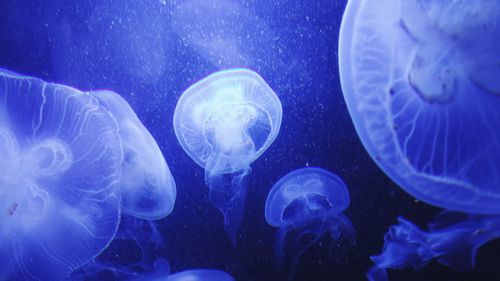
[(224, 123), (200, 275), (420, 79), (307, 203), (60, 166), (453, 239), (148, 188)]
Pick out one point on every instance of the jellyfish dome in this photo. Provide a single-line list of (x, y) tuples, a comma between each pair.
[(200, 275), (59, 172), (420, 79), (224, 122), (307, 201), (148, 188)]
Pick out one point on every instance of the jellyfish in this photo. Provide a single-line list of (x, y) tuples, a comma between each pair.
[(60, 168), (452, 239), (420, 82), (225, 122), (148, 188), (200, 275), (307, 203)]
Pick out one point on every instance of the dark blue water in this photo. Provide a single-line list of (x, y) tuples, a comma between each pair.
[(151, 51)]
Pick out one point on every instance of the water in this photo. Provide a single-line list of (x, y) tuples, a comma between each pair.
[(151, 52)]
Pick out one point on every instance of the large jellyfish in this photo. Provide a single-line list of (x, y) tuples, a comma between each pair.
[(148, 188), (200, 275), (224, 122), (420, 79), (224, 32), (307, 203), (453, 239), (60, 170)]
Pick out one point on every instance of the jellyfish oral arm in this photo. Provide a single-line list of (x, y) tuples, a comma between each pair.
[(451, 242)]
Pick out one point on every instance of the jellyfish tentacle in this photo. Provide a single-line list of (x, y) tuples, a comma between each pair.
[(227, 193)]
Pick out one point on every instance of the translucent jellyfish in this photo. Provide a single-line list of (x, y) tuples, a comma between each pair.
[(60, 167), (148, 188), (201, 275), (307, 203), (224, 122), (224, 32), (453, 239), (420, 81)]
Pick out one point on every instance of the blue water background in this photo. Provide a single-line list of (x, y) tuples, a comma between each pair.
[(293, 46)]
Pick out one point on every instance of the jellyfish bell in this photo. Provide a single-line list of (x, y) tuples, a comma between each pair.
[(224, 122), (148, 187), (60, 168), (419, 80), (307, 202)]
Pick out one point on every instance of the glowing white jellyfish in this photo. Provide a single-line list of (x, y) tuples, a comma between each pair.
[(60, 167)]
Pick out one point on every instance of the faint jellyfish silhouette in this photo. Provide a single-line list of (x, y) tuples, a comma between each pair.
[(60, 169), (305, 205), (420, 81), (148, 188), (224, 32), (453, 239), (213, 29), (224, 123), (200, 275)]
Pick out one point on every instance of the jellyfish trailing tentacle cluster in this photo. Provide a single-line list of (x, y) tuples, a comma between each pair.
[(147, 185), (452, 239), (307, 202), (224, 122)]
